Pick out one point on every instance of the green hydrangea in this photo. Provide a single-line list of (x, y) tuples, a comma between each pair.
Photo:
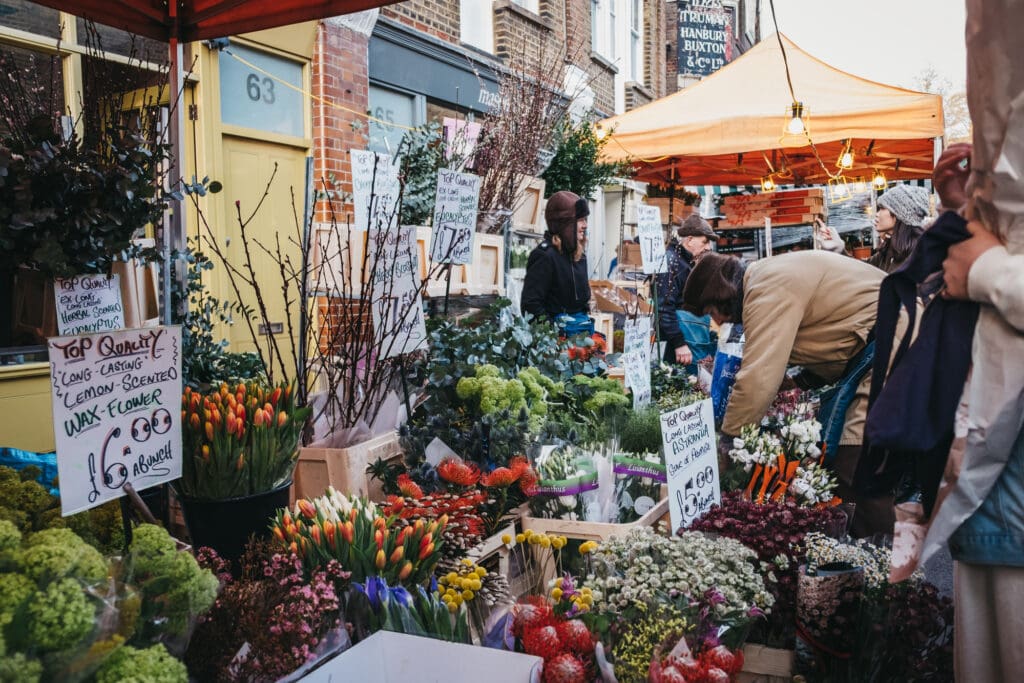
[(59, 616), (14, 589), (55, 553), (10, 537), (152, 665), (173, 585), (18, 668)]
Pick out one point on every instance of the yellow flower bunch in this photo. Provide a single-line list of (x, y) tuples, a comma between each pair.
[(457, 587), (588, 547), (533, 538), (564, 589)]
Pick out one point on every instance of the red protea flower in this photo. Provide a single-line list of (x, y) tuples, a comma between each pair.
[(565, 668), (456, 472), (723, 658), (575, 635), (499, 478), (542, 642), (408, 487), (533, 612)]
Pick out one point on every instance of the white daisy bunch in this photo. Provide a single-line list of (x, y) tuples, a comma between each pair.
[(642, 567), (800, 438), (812, 484), (753, 447), (873, 559)]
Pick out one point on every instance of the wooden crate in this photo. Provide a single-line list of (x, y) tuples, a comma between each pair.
[(766, 665), (346, 469), (680, 209), (594, 531)]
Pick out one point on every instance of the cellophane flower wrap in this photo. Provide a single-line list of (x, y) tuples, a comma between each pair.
[(567, 483), (239, 442), (361, 538)]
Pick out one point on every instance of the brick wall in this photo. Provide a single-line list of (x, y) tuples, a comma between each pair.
[(339, 76), (655, 18), (671, 41), (439, 18), (524, 38), (637, 96)]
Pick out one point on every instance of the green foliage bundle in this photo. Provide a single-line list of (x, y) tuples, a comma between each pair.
[(641, 432), (576, 166), (422, 153), (151, 665), (205, 360)]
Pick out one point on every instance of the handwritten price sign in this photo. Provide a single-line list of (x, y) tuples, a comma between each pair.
[(454, 217), (652, 239), (375, 190), (116, 413), (88, 303), (691, 459)]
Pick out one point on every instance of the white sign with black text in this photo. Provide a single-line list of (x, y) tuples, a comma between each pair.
[(652, 239), (691, 461), (397, 307), (116, 412), (636, 360), (88, 303), (454, 217), (375, 190)]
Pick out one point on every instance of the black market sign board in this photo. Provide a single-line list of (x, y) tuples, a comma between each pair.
[(116, 412), (705, 36)]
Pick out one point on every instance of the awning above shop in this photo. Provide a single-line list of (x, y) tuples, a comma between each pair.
[(728, 128), (188, 20)]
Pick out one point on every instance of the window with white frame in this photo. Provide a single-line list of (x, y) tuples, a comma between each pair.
[(476, 23), (610, 52), (595, 25), (636, 43)]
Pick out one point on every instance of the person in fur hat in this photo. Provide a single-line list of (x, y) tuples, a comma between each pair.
[(557, 283)]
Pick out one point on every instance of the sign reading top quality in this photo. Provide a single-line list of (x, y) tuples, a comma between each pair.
[(705, 37), (116, 412), (691, 461), (454, 217), (88, 303), (652, 239)]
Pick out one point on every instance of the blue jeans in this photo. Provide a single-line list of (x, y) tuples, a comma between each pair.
[(836, 401)]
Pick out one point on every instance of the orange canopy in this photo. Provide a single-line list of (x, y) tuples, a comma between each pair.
[(188, 20), (728, 128)]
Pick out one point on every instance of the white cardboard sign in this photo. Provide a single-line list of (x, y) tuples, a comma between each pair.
[(691, 461), (454, 217), (397, 306), (88, 303), (652, 239), (375, 190), (116, 412), (636, 360)]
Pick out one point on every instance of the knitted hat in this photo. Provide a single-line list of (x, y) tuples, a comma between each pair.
[(695, 226), (907, 203), (564, 209)]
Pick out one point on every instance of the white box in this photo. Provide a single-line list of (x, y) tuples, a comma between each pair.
[(387, 657)]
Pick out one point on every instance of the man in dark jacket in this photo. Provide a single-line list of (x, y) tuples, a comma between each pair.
[(687, 337), (557, 281)]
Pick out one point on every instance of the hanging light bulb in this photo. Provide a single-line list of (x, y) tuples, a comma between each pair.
[(767, 184), (846, 158), (878, 182), (795, 125)]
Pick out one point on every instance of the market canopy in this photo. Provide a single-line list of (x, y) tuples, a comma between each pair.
[(728, 129), (188, 20)]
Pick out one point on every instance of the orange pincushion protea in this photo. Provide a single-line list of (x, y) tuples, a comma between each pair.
[(457, 472)]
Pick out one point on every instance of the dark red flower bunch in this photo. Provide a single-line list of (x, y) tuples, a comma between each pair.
[(775, 531), (717, 665), (565, 645)]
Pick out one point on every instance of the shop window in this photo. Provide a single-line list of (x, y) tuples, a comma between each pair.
[(261, 91), (114, 41), (476, 23), (393, 112), (30, 17), (636, 29)]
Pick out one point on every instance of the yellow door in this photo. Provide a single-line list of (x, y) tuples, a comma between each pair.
[(249, 165)]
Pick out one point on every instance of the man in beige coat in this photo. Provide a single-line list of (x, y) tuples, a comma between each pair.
[(811, 308)]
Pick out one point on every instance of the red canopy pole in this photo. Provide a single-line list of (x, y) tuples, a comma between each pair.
[(174, 232)]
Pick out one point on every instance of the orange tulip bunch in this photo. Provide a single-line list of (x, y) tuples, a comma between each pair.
[(361, 539), (239, 442)]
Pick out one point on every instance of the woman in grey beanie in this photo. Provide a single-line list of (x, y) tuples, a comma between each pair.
[(902, 212)]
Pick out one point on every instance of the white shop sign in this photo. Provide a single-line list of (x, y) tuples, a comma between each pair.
[(116, 412), (454, 217), (88, 303), (691, 461), (375, 190), (652, 239)]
